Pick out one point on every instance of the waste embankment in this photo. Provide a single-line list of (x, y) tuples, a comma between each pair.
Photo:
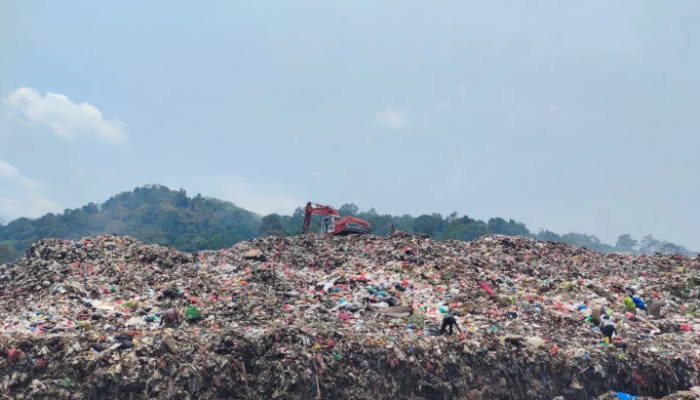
[(357, 317)]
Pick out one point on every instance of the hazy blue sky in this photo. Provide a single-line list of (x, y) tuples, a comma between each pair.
[(572, 116)]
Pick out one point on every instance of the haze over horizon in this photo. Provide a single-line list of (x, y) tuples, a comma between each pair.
[(569, 117)]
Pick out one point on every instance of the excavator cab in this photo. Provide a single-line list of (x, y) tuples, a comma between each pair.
[(328, 224)]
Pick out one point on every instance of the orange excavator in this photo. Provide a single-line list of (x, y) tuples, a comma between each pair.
[(333, 224)]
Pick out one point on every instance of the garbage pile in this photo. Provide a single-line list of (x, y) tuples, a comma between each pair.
[(356, 317), (684, 395)]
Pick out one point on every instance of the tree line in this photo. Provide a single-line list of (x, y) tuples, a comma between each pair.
[(467, 229), (157, 214)]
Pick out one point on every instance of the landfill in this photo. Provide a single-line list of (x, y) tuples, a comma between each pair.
[(354, 317)]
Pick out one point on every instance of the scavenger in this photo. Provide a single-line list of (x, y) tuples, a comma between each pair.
[(608, 328), (449, 320), (171, 317)]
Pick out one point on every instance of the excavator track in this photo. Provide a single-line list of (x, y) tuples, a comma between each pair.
[(354, 229)]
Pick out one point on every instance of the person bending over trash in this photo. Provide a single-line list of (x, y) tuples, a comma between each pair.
[(633, 302), (608, 328), (449, 320), (639, 303), (171, 317)]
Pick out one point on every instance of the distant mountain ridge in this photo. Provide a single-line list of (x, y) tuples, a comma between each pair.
[(158, 214)]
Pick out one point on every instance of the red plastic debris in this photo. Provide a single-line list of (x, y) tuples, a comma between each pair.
[(555, 349), (638, 379), (13, 354), (486, 288)]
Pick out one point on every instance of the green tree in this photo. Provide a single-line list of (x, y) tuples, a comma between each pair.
[(349, 210), (581, 240), (8, 254), (295, 223), (672, 248), (156, 214), (428, 224), (271, 225), (465, 229), (19, 229), (497, 226), (452, 217), (649, 244), (474, 230), (626, 243), (548, 236), (518, 228)]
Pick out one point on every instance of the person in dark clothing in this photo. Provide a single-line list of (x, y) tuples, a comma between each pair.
[(171, 317), (449, 320), (608, 329)]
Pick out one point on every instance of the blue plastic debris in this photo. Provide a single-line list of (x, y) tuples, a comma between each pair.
[(624, 396)]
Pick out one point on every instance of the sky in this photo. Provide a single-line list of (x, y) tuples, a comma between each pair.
[(567, 116)]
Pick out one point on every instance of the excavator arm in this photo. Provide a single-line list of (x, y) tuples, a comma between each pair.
[(312, 208)]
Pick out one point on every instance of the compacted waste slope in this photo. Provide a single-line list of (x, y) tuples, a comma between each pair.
[(353, 317)]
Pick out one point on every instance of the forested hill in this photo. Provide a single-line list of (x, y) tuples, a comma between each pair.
[(157, 214)]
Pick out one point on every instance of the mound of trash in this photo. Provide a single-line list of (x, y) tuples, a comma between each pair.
[(357, 317), (683, 395)]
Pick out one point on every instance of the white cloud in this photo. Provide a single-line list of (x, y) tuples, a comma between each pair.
[(462, 90), (66, 119), (20, 196), (9, 172), (425, 119), (30, 205), (316, 174), (392, 118), (262, 199)]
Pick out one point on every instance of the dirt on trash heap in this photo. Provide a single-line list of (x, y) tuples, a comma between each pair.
[(345, 318)]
